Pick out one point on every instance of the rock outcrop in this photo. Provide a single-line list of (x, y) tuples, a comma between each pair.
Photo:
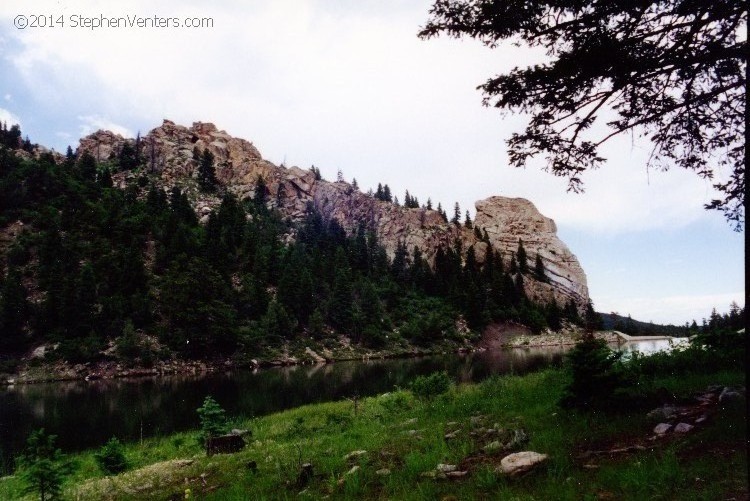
[(508, 220), (168, 152)]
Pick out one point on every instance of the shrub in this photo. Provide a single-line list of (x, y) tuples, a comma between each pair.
[(595, 374), (395, 402), (428, 387), (111, 457)]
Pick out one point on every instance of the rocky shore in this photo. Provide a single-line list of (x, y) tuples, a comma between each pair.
[(506, 336), (38, 371)]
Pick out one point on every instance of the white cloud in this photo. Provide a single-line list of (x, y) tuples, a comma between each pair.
[(8, 117), (93, 123), (343, 88)]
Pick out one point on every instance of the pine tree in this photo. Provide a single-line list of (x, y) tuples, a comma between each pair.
[(212, 417), (13, 310), (467, 221), (316, 324), (400, 262), (105, 178), (387, 194), (277, 323), (340, 307), (42, 466), (86, 167), (456, 214), (207, 172), (442, 213), (554, 315), (428, 206), (260, 195), (316, 172), (523, 264), (539, 268), (128, 157)]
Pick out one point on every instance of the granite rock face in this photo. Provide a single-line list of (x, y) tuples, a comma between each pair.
[(508, 220), (168, 152)]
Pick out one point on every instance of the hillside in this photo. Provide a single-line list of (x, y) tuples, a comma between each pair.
[(186, 244), (613, 321)]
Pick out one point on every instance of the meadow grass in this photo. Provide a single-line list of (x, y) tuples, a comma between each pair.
[(405, 435)]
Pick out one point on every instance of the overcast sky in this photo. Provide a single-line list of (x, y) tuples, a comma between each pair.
[(349, 86)]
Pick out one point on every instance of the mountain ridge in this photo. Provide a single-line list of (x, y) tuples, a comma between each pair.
[(168, 151)]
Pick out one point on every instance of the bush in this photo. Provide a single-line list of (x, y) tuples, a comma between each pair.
[(428, 387), (427, 329), (596, 376), (374, 337), (397, 401), (111, 457)]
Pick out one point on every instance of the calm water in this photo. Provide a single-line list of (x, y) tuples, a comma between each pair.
[(86, 414)]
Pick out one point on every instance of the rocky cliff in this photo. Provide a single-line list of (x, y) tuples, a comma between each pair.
[(167, 151)]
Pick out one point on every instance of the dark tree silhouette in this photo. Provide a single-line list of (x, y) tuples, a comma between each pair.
[(673, 70)]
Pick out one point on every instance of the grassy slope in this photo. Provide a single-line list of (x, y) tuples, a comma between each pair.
[(406, 436)]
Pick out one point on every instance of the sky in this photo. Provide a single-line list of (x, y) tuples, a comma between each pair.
[(349, 86)]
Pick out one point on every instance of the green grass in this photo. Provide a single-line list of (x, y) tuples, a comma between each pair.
[(406, 436)]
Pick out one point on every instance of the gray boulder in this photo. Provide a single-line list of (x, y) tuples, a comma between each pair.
[(521, 462)]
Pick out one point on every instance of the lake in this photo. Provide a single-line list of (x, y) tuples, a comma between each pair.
[(86, 414)]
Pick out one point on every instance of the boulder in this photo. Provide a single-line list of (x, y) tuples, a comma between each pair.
[(446, 468), (663, 413), (662, 428), (224, 444), (354, 455), (240, 432), (729, 395), (520, 463), (683, 428)]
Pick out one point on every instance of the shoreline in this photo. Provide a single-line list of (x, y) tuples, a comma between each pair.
[(309, 355), (110, 370)]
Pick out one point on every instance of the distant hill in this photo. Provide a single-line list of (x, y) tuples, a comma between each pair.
[(612, 321)]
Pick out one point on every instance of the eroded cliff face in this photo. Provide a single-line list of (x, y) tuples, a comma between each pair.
[(167, 151), (509, 219)]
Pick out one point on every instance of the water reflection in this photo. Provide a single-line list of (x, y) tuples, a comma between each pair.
[(649, 346), (86, 414)]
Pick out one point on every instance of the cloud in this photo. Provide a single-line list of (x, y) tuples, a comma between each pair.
[(342, 85), (342, 88), (7, 97), (8, 117), (93, 123)]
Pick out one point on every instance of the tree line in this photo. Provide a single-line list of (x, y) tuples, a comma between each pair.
[(97, 263)]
